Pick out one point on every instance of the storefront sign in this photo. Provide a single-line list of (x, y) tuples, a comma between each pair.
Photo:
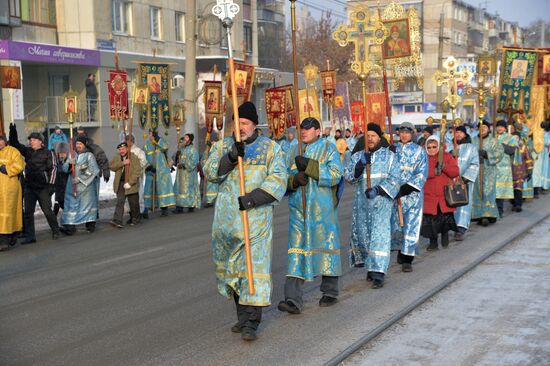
[(24, 51)]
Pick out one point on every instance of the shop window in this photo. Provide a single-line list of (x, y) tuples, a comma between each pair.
[(155, 19), (121, 17), (180, 27)]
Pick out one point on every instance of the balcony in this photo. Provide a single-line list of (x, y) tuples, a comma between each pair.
[(51, 112)]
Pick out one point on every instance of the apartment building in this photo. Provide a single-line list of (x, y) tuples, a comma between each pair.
[(448, 27)]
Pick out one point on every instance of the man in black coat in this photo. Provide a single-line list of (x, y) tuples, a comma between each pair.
[(40, 173)]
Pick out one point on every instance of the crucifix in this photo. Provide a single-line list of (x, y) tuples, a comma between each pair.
[(365, 30), (482, 91), (452, 77)]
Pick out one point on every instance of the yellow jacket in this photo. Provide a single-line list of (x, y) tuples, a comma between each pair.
[(11, 202)]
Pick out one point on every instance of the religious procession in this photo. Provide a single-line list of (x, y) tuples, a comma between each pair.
[(416, 182)]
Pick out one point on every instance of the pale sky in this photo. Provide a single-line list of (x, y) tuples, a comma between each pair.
[(522, 11)]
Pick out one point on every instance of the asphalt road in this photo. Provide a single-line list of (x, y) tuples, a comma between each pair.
[(147, 296)]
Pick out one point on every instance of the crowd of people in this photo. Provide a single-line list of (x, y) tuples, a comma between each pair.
[(399, 195), (63, 177), (400, 192)]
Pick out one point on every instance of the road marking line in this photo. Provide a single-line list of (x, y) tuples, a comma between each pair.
[(122, 257)]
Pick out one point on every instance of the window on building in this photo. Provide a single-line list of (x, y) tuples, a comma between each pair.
[(155, 18), (15, 8), (38, 11), (121, 17), (247, 36), (180, 27)]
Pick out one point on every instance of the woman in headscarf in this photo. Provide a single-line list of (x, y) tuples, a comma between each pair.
[(438, 217)]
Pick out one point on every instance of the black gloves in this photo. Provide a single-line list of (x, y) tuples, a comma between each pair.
[(508, 150), (301, 163), (106, 175), (256, 198), (3, 169), (406, 189), (300, 180), (151, 169), (13, 133), (439, 168), (172, 169), (483, 154), (236, 150), (393, 148)]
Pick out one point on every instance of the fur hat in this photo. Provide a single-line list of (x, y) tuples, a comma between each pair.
[(248, 110), (375, 128)]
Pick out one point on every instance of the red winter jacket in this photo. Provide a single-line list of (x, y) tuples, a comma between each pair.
[(433, 189)]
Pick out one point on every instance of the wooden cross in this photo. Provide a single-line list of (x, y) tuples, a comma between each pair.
[(510, 112), (365, 29), (451, 77)]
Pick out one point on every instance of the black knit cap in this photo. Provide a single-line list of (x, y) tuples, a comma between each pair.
[(122, 144), (248, 110), (375, 128), (486, 123), (429, 129), (502, 123), (36, 135), (310, 122), (462, 128), (82, 139)]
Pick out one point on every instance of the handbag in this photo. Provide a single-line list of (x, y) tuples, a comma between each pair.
[(456, 193)]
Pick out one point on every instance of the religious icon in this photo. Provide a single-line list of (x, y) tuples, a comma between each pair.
[(339, 102), (240, 80), (398, 43), (275, 105), (11, 77), (212, 101), (153, 82), (519, 69), (70, 105), (307, 104), (141, 95), (546, 64)]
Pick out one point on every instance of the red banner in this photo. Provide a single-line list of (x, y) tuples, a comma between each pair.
[(118, 95), (244, 79), (376, 109), (328, 85), (357, 117), (275, 103), (289, 105)]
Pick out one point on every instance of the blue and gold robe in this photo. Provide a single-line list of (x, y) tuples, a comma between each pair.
[(314, 247), (187, 179), (85, 206), (468, 165), (505, 180), (529, 157), (541, 172), (371, 218), (161, 193), (487, 207), (264, 168), (413, 164)]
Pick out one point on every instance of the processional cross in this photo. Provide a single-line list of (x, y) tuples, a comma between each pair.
[(364, 30), (482, 91), (451, 77)]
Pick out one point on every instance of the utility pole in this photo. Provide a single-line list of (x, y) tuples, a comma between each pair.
[(254, 15), (190, 97), (440, 58), (542, 33)]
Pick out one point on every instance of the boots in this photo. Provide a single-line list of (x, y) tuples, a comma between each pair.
[(433, 244), (445, 239)]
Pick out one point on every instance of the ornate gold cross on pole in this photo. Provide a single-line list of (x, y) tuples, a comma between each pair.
[(365, 30), (451, 77), (483, 91)]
